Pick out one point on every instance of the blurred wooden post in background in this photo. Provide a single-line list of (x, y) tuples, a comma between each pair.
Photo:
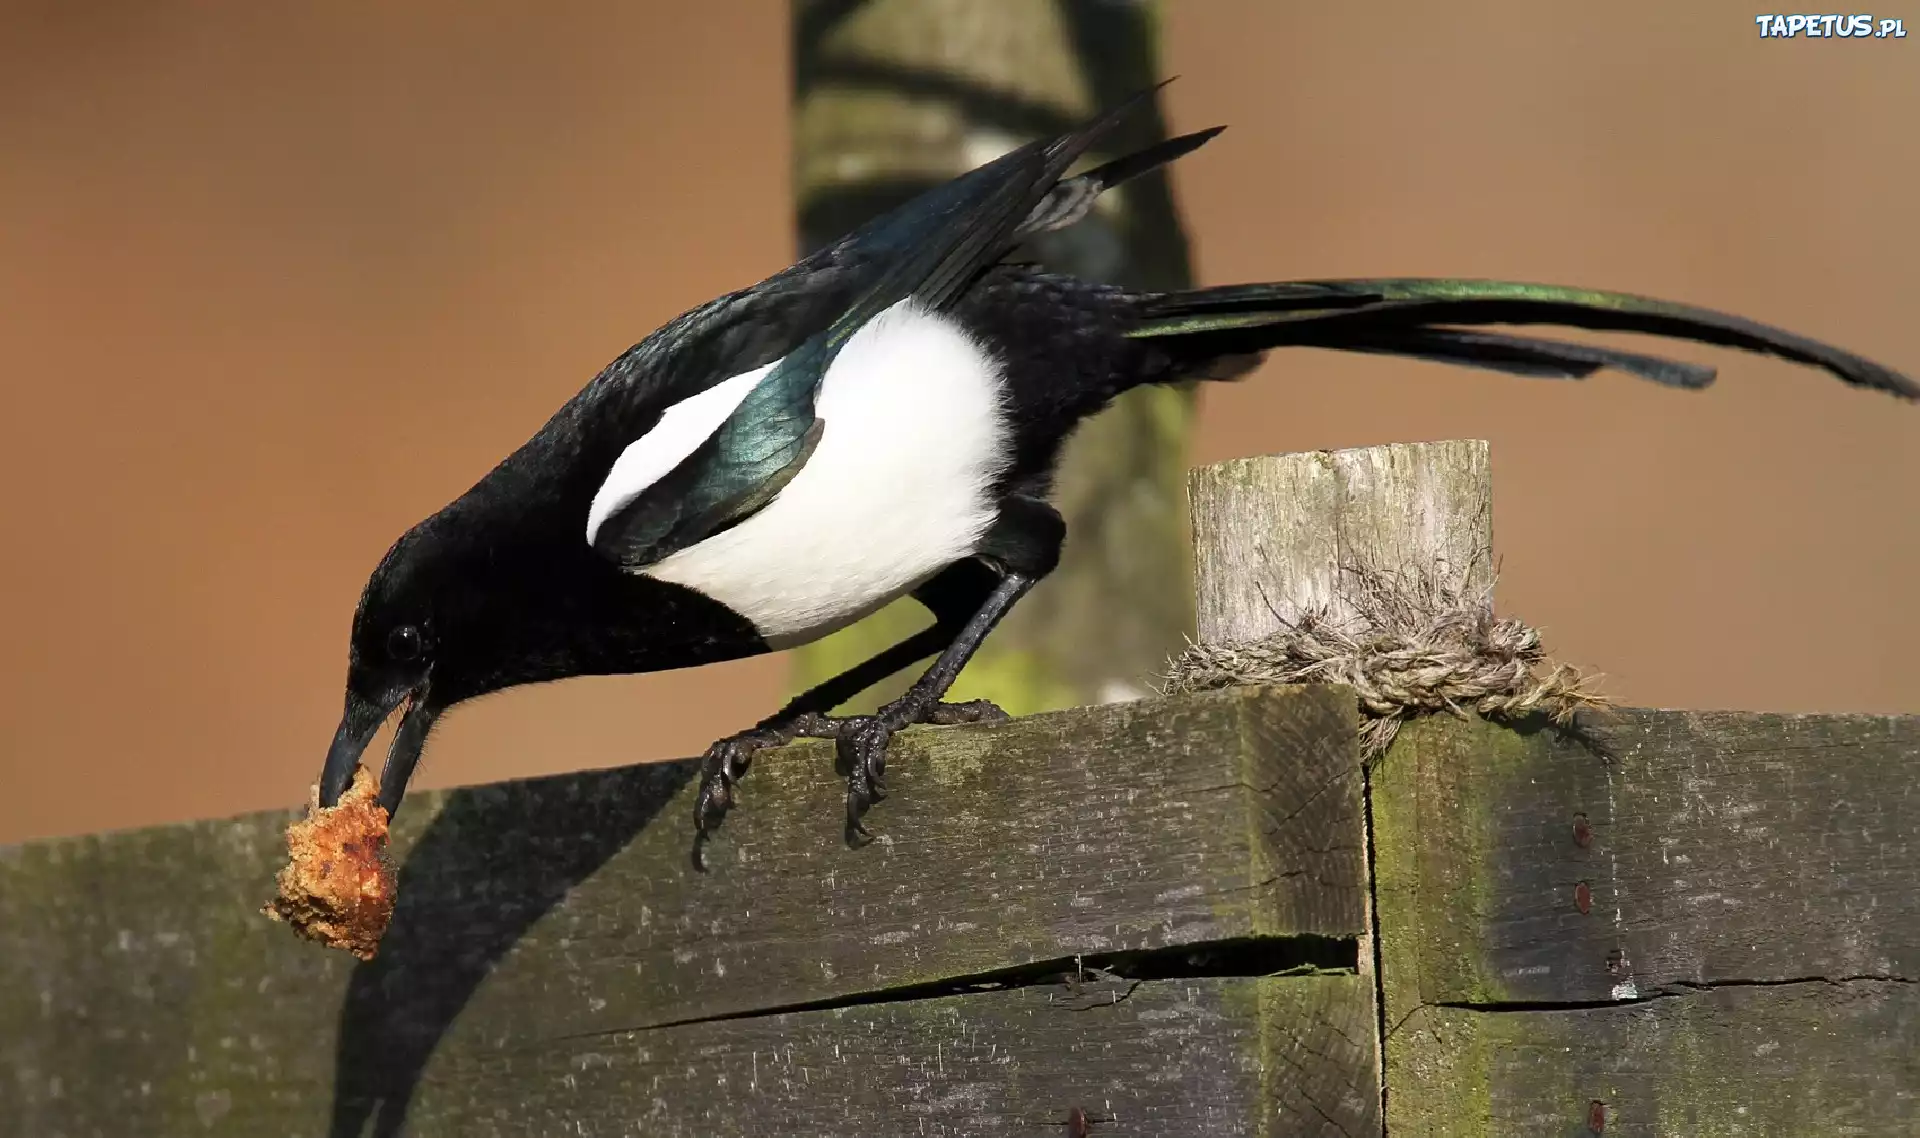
[(894, 96)]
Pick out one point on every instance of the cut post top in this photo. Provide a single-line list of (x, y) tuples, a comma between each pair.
[(1277, 536)]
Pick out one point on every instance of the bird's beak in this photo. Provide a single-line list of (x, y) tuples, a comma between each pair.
[(358, 724)]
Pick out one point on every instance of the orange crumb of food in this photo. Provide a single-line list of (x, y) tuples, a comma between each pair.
[(338, 887)]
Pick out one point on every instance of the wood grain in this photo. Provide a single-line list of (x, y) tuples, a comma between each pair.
[(1277, 537), (1273, 535), (137, 980), (1808, 1058), (1202, 1057), (1717, 847), (1273, 1056), (1664, 857)]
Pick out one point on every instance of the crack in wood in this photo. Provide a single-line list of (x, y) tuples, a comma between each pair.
[(1686, 987), (1374, 941), (1275, 824), (1302, 955), (1305, 1084), (1677, 989)]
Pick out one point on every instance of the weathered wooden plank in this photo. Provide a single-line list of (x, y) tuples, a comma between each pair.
[(1273, 1056), (1806, 1058), (137, 979), (139, 993), (1699, 847), (1276, 536)]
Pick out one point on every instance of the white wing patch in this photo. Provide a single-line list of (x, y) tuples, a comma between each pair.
[(653, 455), (898, 488)]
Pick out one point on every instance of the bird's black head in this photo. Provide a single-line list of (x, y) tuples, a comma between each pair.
[(403, 630), (482, 597)]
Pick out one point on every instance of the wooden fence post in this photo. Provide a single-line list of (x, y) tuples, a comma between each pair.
[(1275, 536), (1672, 922), (1272, 536)]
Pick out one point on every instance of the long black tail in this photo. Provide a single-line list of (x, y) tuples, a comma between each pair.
[(1429, 319)]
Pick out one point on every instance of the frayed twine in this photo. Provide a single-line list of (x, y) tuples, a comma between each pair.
[(1416, 645)]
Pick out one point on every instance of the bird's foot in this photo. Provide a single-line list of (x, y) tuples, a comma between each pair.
[(862, 741)]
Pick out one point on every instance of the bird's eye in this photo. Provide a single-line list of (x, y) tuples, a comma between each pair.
[(404, 643)]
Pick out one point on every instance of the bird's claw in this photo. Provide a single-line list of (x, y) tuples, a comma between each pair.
[(861, 739), (722, 767), (866, 745)]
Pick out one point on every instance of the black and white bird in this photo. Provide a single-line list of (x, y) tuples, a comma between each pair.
[(881, 419)]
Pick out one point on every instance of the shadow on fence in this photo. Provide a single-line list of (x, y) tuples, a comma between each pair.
[(489, 864)]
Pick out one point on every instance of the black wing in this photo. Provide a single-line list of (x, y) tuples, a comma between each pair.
[(755, 326), (928, 250)]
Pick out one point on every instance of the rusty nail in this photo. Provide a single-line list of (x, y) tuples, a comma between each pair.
[(1582, 831), (1583, 898), (1077, 1126), (1596, 1116)]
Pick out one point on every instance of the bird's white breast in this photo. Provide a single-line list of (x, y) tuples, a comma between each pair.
[(898, 488)]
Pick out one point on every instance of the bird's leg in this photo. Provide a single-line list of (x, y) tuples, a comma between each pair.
[(967, 599), (727, 760), (953, 595), (863, 739), (1024, 546)]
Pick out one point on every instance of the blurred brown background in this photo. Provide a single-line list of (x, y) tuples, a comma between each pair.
[(276, 281)]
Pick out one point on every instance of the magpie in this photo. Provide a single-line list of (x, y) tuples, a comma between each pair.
[(882, 419)]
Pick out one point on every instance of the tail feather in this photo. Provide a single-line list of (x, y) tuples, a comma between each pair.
[(1526, 356), (1412, 317)]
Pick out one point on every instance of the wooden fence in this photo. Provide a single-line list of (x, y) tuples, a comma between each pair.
[(1201, 915)]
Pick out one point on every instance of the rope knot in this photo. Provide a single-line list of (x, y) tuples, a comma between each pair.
[(1414, 644)]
